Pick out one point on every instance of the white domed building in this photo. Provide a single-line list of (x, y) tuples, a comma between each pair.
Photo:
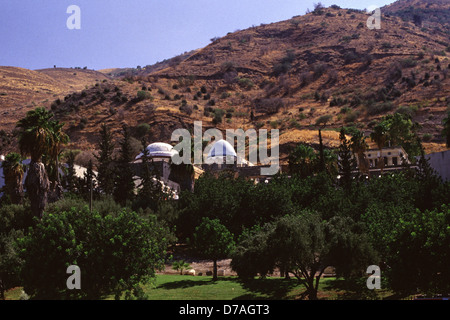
[(222, 154), (159, 151)]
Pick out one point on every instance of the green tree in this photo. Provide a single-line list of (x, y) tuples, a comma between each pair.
[(89, 181), (401, 131), (13, 220), (115, 253), (124, 182), (35, 138), (302, 161), (213, 241), (224, 197), (13, 171), (298, 244), (151, 190), (70, 179), (304, 245), (359, 146), (350, 249), (346, 162), (9, 261), (380, 136), (421, 258), (57, 139), (250, 256), (105, 161)]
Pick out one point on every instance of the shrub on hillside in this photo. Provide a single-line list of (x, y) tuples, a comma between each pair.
[(268, 106), (144, 95)]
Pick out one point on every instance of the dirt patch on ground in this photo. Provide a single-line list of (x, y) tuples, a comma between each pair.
[(205, 267)]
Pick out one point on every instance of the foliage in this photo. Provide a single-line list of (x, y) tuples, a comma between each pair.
[(70, 177), (35, 134), (399, 130), (13, 171), (143, 95), (41, 137), (346, 162), (302, 161), (142, 130), (181, 265), (13, 220), (151, 192), (114, 253), (124, 182), (213, 241), (105, 161), (250, 256)]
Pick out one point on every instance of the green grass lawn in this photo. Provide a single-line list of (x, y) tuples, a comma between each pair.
[(178, 287)]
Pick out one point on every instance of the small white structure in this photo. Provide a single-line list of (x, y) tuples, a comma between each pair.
[(392, 156)]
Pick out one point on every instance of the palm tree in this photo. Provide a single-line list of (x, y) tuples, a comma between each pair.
[(302, 160), (13, 170), (359, 147), (35, 139), (380, 136), (57, 139)]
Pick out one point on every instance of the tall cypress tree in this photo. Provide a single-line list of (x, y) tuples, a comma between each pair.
[(151, 189), (124, 182), (71, 177), (105, 162), (89, 179), (427, 180), (346, 162)]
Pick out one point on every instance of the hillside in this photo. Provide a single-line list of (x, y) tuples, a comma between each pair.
[(284, 75), (22, 89), (431, 14)]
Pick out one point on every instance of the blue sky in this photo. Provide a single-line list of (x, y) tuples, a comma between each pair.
[(34, 35)]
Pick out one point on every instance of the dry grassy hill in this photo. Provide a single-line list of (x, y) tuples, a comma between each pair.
[(284, 75), (22, 90), (431, 14)]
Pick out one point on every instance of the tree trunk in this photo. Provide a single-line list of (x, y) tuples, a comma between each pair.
[(55, 192), (14, 188), (215, 270), (37, 185)]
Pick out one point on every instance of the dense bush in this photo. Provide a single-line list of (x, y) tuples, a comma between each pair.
[(114, 253), (144, 95)]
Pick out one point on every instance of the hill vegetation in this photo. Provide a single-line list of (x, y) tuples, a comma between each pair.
[(284, 75)]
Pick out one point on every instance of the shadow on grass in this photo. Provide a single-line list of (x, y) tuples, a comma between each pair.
[(353, 289), (268, 289), (257, 289), (183, 284)]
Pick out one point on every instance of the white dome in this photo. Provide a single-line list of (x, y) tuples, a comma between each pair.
[(159, 149), (222, 148)]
